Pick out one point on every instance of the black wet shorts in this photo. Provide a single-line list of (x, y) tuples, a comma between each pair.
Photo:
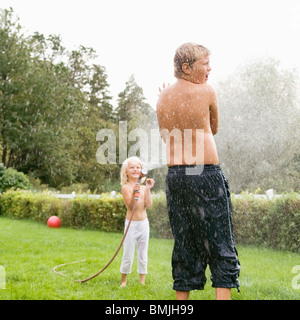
[(199, 209)]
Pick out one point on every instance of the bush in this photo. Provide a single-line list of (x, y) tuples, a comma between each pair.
[(11, 178), (264, 222), (107, 214), (25, 204), (158, 217), (271, 223)]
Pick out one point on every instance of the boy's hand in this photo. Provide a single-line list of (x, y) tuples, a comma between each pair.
[(163, 87)]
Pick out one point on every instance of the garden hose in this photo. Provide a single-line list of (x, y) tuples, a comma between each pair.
[(136, 198)]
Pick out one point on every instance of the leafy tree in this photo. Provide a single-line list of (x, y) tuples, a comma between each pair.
[(14, 58), (52, 102), (97, 114), (132, 105), (36, 103), (98, 96), (133, 108)]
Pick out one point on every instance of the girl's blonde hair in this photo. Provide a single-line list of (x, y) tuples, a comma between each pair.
[(188, 53), (123, 175)]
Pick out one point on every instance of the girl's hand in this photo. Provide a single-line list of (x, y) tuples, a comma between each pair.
[(149, 183), (136, 186)]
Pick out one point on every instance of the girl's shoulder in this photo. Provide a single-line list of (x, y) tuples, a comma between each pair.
[(126, 187)]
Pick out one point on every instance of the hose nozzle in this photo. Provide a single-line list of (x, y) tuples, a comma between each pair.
[(142, 174)]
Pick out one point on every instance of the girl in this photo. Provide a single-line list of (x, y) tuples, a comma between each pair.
[(139, 228)]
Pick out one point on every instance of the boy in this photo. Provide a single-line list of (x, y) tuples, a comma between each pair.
[(199, 204)]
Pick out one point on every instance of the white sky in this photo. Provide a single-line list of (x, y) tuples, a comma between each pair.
[(140, 36)]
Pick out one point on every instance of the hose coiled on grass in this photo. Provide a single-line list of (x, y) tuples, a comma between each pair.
[(109, 262)]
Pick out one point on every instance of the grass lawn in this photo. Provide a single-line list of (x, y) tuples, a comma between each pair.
[(29, 250)]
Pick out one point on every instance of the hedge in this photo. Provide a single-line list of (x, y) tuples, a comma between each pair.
[(263, 222), (80, 212)]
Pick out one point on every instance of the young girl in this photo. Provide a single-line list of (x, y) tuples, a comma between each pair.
[(139, 228)]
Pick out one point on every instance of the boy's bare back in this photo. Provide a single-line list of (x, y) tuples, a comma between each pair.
[(187, 105)]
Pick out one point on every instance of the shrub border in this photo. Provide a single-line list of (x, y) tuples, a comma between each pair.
[(263, 222)]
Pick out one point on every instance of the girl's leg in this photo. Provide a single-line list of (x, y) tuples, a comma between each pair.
[(123, 280), (142, 278), (142, 251), (128, 254)]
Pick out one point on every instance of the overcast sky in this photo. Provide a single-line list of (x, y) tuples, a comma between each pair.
[(140, 36)]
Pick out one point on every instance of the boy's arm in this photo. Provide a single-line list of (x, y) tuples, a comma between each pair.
[(214, 113)]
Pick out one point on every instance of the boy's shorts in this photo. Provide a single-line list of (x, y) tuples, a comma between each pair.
[(199, 207)]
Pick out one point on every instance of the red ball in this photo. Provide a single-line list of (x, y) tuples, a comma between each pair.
[(54, 222)]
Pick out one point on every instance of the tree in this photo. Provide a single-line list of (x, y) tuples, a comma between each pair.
[(132, 105), (92, 81), (138, 114), (36, 103), (14, 57), (99, 94), (50, 99), (97, 114), (53, 102)]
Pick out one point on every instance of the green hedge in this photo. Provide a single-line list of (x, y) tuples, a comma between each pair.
[(107, 214), (272, 223)]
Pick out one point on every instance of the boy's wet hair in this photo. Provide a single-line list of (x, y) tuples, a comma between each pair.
[(188, 53)]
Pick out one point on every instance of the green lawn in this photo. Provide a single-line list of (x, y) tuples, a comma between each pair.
[(29, 250)]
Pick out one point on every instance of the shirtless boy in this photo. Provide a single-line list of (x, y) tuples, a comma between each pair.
[(199, 204)]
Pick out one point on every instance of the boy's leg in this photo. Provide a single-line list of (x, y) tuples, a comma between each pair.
[(182, 295), (223, 293)]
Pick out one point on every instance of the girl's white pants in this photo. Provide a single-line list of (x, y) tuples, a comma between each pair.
[(138, 232)]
